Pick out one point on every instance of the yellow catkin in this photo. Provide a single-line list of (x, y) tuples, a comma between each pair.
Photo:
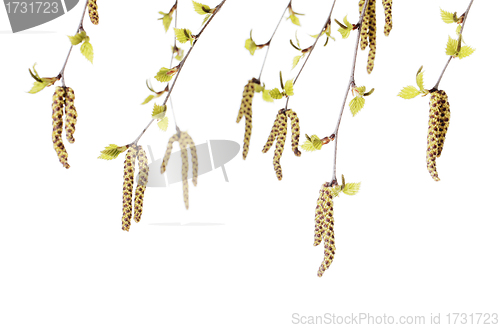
[(246, 111), (71, 115), (388, 16), (128, 185), (295, 128), (185, 168), (142, 181), (371, 11), (272, 135), (328, 233), (194, 157), (365, 25), (93, 14), (433, 134), (280, 144), (444, 120), (170, 145), (58, 102), (320, 216)]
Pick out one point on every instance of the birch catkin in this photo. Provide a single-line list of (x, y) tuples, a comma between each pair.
[(280, 144), (93, 14), (371, 12), (185, 168), (444, 120), (71, 115), (272, 135), (320, 216), (364, 25), (168, 152), (142, 181), (128, 185), (295, 128), (433, 134), (194, 158), (388, 16), (327, 230), (58, 102), (246, 111)]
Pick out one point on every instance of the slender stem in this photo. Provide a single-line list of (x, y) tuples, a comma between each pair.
[(181, 65), (80, 27), (172, 61), (351, 82), (451, 57), (268, 44), (316, 41)]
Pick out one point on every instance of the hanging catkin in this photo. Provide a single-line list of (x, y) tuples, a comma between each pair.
[(58, 102), (71, 115), (93, 14), (142, 181), (128, 185)]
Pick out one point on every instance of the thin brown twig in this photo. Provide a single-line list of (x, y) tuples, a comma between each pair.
[(268, 43), (80, 27), (181, 65), (351, 82), (451, 57)]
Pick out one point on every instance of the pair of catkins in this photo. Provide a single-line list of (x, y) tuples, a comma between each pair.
[(63, 103)]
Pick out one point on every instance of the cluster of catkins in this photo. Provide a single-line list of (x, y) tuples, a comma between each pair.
[(246, 111), (278, 133), (439, 121), (323, 230), (134, 152), (369, 28), (93, 14), (63, 102), (184, 140)]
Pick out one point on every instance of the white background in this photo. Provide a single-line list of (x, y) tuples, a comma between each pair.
[(406, 245)]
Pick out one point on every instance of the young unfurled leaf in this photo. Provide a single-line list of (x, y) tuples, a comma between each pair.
[(179, 52), (451, 47), (336, 190), (465, 51), (207, 16), (159, 111), (356, 104), (345, 32), (148, 99), (167, 19), (35, 75), (201, 8), (266, 96), (351, 189), (409, 92), (295, 20), (166, 74), (296, 60), (447, 17), (250, 45), (359, 90), (275, 93), (163, 124), (297, 39), (459, 29), (37, 87), (289, 88), (313, 143), (183, 35), (111, 152), (78, 38), (87, 51), (420, 81)]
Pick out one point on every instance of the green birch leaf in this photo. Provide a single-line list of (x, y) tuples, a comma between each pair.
[(183, 35), (312, 144), (356, 104), (148, 99), (409, 92), (159, 111), (447, 17), (459, 29), (351, 189), (207, 17), (201, 8), (37, 87), (111, 152), (167, 19), (296, 60), (275, 93), (77, 38), (165, 74), (163, 124), (289, 88), (465, 52), (250, 46), (295, 20), (420, 81), (180, 56), (267, 96), (87, 51), (451, 47)]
